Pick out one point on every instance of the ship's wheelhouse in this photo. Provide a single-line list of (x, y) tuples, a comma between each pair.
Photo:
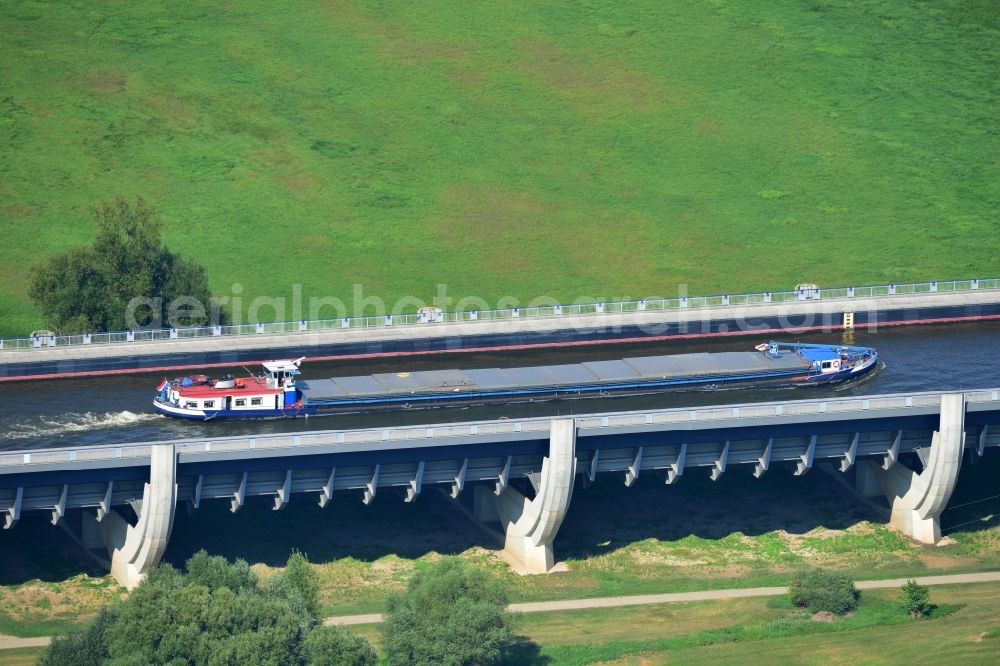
[(824, 361)]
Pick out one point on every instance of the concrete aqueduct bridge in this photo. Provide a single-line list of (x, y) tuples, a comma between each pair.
[(761, 314), (120, 500)]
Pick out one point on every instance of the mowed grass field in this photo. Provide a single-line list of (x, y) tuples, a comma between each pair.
[(573, 150), (963, 629)]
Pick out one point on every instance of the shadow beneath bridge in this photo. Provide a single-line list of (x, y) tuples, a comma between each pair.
[(601, 519), (35, 549), (975, 504), (607, 515), (345, 528)]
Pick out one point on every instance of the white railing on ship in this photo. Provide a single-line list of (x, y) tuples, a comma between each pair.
[(595, 308), (17, 460)]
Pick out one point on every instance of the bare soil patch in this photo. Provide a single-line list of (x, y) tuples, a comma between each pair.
[(105, 82), (170, 107), (606, 85), (300, 183), (503, 228), (393, 40), (934, 560), (79, 597)]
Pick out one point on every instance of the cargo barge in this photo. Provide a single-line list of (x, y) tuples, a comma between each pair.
[(277, 393)]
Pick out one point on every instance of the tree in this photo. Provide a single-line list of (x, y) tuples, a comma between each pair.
[(301, 578), (91, 288), (216, 613), (70, 290), (215, 572), (821, 590), (450, 615), (335, 646), (917, 599)]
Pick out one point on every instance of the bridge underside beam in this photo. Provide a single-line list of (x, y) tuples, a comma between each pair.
[(13, 514)]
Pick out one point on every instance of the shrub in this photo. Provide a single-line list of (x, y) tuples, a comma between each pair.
[(916, 599), (302, 578), (450, 615), (821, 590), (216, 613), (335, 646), (214, 572)]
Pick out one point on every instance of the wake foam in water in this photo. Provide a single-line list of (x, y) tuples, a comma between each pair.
[(72, 422)]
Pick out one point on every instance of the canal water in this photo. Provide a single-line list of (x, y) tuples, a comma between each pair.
[(109, 410)]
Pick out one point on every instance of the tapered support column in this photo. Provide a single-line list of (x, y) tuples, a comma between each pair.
[(135, 549), (530, 526), (866, 479), (917, 500)]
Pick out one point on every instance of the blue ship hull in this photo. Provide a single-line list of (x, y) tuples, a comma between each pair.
[(231, 414)]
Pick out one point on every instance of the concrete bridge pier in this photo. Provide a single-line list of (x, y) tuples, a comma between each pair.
[(867, 482), (530, 526), (917, 500), (135, 549)]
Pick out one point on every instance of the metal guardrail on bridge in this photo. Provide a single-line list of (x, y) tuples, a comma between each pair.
[(24, 461), (466, 316)]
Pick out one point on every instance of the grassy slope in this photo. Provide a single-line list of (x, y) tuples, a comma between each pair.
[(589, 149)]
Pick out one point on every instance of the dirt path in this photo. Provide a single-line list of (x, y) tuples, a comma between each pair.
[(10, 642), (705, 595)]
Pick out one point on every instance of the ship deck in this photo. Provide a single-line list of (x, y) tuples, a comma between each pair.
[(639, 370), (244, 385)]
